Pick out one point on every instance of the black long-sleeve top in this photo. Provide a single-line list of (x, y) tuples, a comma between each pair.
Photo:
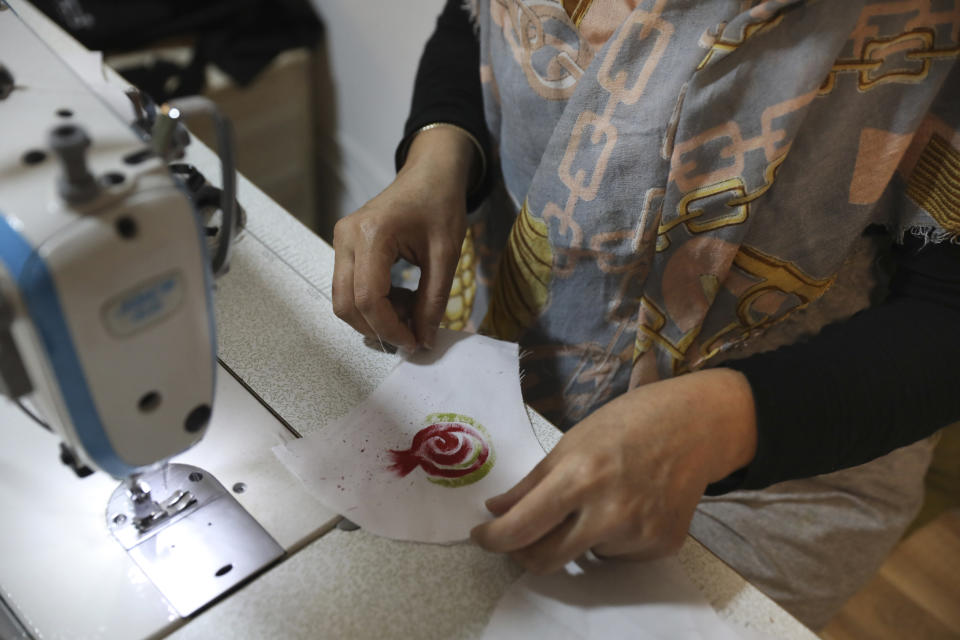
[(860, 388)]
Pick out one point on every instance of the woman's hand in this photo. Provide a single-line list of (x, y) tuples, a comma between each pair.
[(420, 217), (626, 480)]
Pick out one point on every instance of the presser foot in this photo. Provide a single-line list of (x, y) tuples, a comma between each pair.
[(194, 544)]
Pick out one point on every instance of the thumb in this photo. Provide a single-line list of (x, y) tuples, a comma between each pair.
[(436, 278)]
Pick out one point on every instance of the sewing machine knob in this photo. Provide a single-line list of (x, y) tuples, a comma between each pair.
[(76, 184)]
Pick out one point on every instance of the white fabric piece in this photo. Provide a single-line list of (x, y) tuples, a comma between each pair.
[(347, 465), (594, 601)]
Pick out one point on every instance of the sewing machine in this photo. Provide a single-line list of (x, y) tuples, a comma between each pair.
[(107, 260)]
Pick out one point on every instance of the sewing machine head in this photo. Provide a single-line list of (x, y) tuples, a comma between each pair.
[(106, 318), (107, 256)]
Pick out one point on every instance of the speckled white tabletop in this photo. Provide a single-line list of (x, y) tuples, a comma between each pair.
[(277, 332)]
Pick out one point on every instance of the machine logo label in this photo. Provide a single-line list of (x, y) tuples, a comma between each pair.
[(143, 305)]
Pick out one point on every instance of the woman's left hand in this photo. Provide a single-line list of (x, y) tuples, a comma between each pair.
[(626, 480)]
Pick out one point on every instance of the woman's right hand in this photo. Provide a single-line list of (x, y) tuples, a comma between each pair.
[(420, 217)]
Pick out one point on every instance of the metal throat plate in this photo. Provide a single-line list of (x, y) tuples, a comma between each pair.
[(199, 552)]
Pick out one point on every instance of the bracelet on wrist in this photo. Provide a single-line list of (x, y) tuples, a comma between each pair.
[(478, 181)]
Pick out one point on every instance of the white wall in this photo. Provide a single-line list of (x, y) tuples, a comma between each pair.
[(373, 48)]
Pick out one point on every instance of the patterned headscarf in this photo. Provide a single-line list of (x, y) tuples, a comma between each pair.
[(683, 174)]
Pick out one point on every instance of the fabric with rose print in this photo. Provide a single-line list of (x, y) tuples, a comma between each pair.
[(454, 451), (418, 458)]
